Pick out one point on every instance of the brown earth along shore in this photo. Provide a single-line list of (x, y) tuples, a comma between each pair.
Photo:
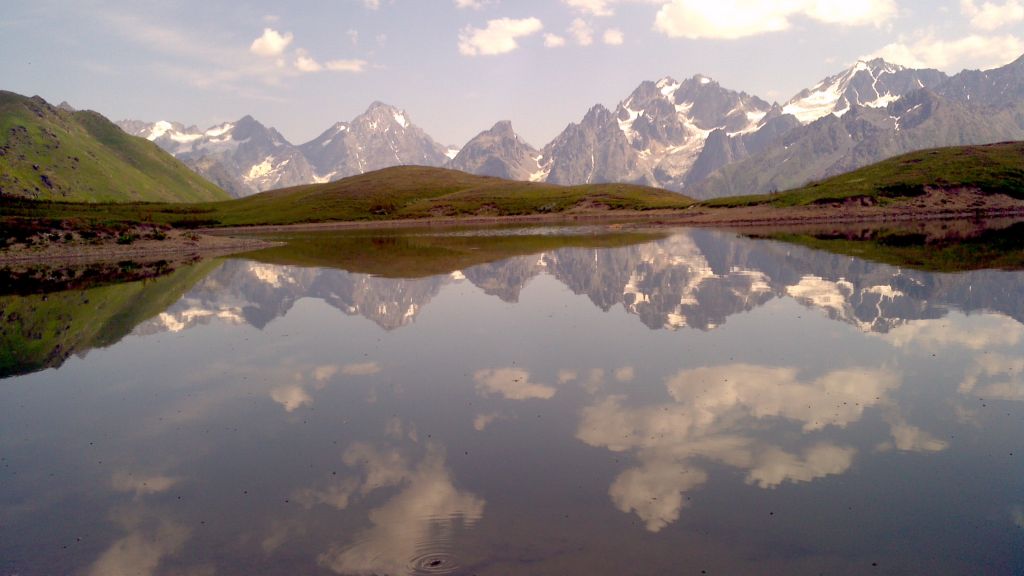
[(210, 242)]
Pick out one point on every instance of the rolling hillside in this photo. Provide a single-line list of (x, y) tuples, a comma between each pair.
[(53, 153), (989, 169)]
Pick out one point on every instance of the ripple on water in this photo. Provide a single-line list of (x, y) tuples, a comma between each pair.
[(438, 562)]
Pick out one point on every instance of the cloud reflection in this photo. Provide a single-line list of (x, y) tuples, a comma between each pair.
[(139, 553), (510, 383), (421, 515), (719, 414), (995, 376)]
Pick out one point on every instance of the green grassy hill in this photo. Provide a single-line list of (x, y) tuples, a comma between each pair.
[(48, 153), (990, 169), (418, 192), (402, 192)]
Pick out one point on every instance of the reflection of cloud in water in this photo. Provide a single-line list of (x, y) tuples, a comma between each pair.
[(837, 398), (426, 509), (141, 485), (482, 421), (361, 369), (719, 415), (291, 397), (625, 374), (976, 332), (511, 383), (148, 542), (995, 376), (908, 438), (294, 396)]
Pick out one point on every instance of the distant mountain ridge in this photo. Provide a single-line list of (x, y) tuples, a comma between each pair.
[(693, 136)]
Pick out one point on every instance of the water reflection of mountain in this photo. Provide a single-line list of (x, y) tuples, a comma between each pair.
[(696, 279)]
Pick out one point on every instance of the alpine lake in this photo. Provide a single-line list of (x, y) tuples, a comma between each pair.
[(567, 400)]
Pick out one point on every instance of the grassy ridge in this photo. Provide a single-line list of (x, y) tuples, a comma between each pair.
[(52, 154), (401, 192), (995, 168), (418, 192)]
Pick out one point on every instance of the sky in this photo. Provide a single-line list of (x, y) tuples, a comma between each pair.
[(458, 66)]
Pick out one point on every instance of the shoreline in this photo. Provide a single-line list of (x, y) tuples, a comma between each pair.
[(930, 207), (181, 245)]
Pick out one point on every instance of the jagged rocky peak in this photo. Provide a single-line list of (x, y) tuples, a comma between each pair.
[(501, 153), (503, 128), (382, 116), (868, 83)]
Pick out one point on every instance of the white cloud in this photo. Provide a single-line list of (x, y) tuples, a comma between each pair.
[(511, 383), (499, 37), (355, 66), (625, 374), (929, 50), (592, 7), (304, 63), (471, 4), (730, 19), (581, 31), (990, 15), (613, 37), (371, 4), (553, 41), (271, 43)]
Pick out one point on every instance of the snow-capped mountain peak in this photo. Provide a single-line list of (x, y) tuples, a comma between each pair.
[(868, 83)]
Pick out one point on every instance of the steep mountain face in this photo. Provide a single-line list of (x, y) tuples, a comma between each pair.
[(246, 157), (243, 157), (57, 153), (381, 137), (994, 88), (969, 108), (499, 152), (872, 84), (654, 137)]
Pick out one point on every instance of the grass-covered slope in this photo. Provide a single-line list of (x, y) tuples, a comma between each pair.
[(418, 192), (49, 153), (402, 192), (990, 169)]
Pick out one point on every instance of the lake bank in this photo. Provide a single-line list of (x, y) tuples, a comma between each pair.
[(48, 245)]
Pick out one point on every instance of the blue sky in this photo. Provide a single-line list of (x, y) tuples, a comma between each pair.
[(458, 66)]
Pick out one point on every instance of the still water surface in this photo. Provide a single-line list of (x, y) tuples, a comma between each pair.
[(690, 403)]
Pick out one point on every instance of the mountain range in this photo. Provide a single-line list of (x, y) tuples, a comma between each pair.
[(692, 136)]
